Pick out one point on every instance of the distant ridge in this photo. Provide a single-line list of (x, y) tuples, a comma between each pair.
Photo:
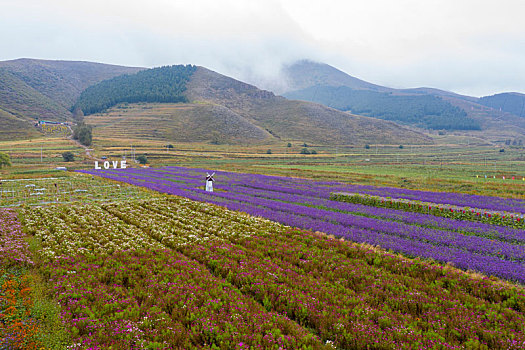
[(423, 110), (306, 73), (511, 102), (41, 89), (490, 120), (297, 120), (220, 109), (63, 81)]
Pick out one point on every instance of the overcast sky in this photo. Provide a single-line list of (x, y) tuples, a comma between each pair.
[(475, 47)]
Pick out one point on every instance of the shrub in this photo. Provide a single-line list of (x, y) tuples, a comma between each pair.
[(83, 133), (4, 159), (142, 159), (68, 156)]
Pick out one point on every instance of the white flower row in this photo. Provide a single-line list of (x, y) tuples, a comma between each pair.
[(159, 222)]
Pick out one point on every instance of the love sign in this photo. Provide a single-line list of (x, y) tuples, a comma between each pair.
[(115, 164)]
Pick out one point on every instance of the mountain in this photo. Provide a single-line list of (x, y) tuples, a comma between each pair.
[(424, 111), (305, 73), (221, 109), (14, 128), (39, 89), (163, 84), (19, 98), (510, 102), (63, 81), (426, 108)]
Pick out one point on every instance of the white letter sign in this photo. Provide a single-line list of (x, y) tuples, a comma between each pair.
[(114, 164)]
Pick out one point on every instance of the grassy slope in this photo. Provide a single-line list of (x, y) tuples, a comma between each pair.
[(63, 81), (295, 120), (47, 89), (176, 123), (224, 110), (496, 126), (14, 128), (20, 99), (304, 74)]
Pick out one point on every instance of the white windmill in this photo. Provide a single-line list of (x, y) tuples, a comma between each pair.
[(209, 182)]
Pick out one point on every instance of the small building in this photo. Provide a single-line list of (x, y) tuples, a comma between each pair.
[(49, 122)]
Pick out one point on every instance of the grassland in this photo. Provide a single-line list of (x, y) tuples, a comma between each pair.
[(39, 156), (451, 164), (15, 128), (200, 122)]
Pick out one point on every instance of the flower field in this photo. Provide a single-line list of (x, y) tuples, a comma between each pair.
[(17, 328), (504, 218), (484, 247), (64, 189), (172, 273)]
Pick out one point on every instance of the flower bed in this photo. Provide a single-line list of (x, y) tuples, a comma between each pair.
[(443, 210), (491, 249)]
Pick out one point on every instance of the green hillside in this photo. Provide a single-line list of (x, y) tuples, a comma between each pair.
[(20, 99), (223, 110), (164, 84), (40, 89), (294, 120), (508, 102), (63, 81), (180, 122), (489, 123), (14, 128), (305, 73), (424, 111)]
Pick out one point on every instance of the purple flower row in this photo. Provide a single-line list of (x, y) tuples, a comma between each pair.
[(324, 188), (269, 197), (13, 247)]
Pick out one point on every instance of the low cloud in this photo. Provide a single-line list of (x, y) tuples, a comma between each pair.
[(472, 47)]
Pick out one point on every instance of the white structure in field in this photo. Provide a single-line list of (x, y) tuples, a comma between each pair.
[(107, 165), (209, 182)]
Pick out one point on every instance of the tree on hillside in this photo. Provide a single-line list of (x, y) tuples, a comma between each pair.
[(4, 160), (142, 159), (68, 156), (83, 133), (163, 85), (427, 111)]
